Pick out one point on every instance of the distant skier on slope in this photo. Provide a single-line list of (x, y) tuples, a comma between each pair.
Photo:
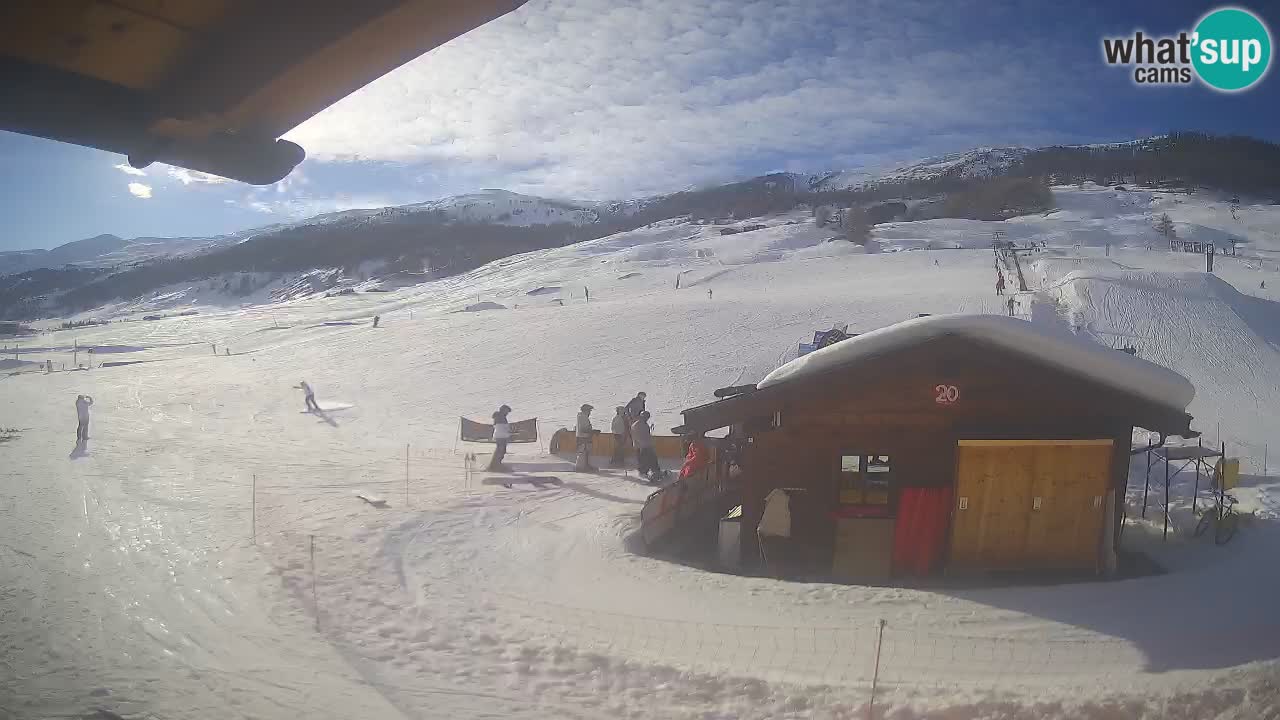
[(647, 457), (619, 429), (310, 398), (376, 320), (999, 284), (501, 436), (584, 432), (83, 403)]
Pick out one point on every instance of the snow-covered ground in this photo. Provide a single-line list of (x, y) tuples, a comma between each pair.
[(130, 582)]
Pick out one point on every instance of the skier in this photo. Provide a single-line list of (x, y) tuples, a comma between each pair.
[(647, 457), (619, 429), (636, 406), (376, 320), (310, 398), (501, 436), (584, 431), (999, 284), (83, 403), (1011, 300)]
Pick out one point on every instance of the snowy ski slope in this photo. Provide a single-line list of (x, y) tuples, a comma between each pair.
[(131, 583)]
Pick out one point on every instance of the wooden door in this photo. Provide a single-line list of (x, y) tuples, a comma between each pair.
[(1072, 482), (1029, 504)]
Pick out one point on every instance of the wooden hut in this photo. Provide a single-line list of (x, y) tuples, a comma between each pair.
[(957, 443)]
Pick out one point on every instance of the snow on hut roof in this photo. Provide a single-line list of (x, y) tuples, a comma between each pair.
[(1104, 365)]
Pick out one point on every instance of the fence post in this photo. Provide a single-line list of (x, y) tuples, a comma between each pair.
[(875, 676), (253, 512), (314, 604)]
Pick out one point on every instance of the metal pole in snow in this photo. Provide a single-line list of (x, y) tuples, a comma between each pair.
[(1146, 484), (253, 521), (314, 604), (406, 474), (875, 677), (1165, 536), (1264, 458)]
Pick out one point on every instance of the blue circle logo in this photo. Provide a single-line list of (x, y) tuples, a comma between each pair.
[(1232, 49)]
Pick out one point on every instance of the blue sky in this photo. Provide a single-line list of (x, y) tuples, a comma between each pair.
[(600, 99)]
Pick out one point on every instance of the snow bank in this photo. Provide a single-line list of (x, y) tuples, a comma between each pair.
[(1101, 364)]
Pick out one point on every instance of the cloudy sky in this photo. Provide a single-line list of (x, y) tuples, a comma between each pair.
[(600, 99)]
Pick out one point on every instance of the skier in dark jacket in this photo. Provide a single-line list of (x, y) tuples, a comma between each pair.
[(636, 406)]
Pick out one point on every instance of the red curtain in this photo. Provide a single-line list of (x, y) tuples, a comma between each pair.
[(920, 534)]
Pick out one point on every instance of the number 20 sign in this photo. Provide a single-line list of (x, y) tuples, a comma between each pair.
[(946, 394)]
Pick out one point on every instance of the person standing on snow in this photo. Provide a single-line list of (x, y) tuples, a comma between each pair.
[(635, 406), (501, 436), (647, 457), (619, 429), (310, 399), (83, 403), (376, 320), (584, 432), (999, 284)]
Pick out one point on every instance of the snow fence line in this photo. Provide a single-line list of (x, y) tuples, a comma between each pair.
[(838, 655)]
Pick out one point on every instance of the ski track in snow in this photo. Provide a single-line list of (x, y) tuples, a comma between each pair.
[(130, 583)]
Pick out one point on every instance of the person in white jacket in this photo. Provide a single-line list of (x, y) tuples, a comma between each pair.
[(619, 429), (501, 436), (584, 433), (647, 456), (83, 403)]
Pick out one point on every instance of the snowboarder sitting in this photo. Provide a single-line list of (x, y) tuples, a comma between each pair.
[(310, 399), (584, 432), (501, 436), (619, 429), (696, 457), (647, 461)]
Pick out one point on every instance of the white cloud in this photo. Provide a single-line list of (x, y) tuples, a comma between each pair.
[(139, 190), (594, 98), (187, 177), (130, 170)]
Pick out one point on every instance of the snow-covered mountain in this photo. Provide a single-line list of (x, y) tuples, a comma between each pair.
[(976, 163), (491, 206), (104, 251)]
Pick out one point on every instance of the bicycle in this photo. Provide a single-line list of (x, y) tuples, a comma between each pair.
[(1223, 518)]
